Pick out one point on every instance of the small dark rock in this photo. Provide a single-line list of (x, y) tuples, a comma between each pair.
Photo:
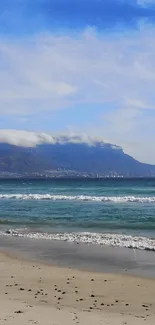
[(8, 232)]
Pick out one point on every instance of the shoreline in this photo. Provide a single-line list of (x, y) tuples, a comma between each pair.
[(35, 293), (86, 257)]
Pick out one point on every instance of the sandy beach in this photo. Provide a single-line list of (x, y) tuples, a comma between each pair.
[(34, 293)]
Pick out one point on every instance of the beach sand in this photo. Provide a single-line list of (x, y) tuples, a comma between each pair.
[(34, 293)]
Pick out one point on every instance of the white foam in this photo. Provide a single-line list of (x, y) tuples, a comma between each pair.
[(48, 196), (135, 242)]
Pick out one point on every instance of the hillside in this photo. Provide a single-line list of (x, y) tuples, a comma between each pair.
[(99, 158)]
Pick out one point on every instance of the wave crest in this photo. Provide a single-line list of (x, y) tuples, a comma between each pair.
[(48, 196), (134, 242)]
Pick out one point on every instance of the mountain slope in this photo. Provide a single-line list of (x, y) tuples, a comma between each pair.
[(99, 158)]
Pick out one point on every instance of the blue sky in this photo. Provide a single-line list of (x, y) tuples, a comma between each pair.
[(80, 66)]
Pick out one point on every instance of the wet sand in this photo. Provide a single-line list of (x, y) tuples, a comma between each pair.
[(35, 293), (92, 257)]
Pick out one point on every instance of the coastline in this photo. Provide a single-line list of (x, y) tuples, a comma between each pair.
[(88, 257), (36, 293)]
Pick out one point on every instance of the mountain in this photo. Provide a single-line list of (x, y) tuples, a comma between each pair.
[(67, 157)]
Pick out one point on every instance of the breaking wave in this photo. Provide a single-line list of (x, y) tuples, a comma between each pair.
[(134, 242), (114, 199)]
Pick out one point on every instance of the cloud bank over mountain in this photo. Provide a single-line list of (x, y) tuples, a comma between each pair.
[(32, 139), (84, 64)]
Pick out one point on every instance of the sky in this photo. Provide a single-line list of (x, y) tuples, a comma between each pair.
[(80, 67)]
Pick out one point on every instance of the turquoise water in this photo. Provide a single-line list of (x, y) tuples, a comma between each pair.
[(116, 212)]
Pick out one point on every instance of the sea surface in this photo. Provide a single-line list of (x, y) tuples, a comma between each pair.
[(105, 212)]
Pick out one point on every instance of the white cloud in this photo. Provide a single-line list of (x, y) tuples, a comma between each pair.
[(32, 139), (58, 70), (48, 72)]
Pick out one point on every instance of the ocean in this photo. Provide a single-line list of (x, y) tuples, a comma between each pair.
[(104, 212)]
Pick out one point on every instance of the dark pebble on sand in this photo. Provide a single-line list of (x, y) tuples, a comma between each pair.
[(92, 296), (92, 280), (18, 312), (21, 289)]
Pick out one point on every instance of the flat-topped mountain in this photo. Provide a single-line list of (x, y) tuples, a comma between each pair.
[(67, 155)]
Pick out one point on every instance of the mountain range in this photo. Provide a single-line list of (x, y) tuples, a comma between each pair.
[(70, 157)]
